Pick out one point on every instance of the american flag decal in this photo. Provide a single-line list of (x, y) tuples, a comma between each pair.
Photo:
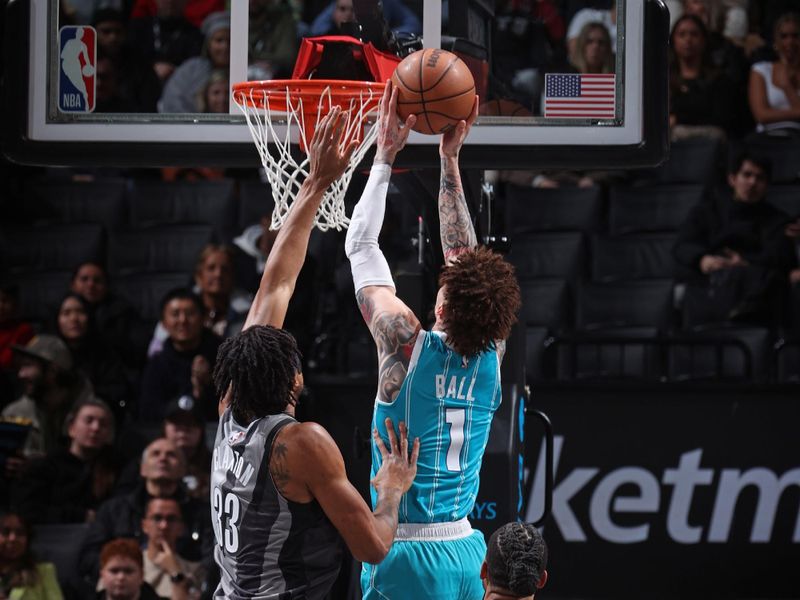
[(579, 96)]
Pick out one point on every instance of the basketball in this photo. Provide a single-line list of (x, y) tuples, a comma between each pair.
[(88, 70), (437, 87)]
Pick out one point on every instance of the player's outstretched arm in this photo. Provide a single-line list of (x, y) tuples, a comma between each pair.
[(392, 324), (327, 162), (310, 456), (455, 224)]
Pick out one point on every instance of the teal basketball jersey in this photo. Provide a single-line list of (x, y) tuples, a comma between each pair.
[(448, 403)]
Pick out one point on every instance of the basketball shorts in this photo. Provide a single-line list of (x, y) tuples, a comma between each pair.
[(437, 562)]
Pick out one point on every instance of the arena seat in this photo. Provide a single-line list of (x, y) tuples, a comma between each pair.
[(641, 256), (100, 201), (699, 160), (167, 248), (646, 303), (60, 544), (784, 153), (545, 303), (787, 357), (617, 352), (255, 201), (40, 293), (638, 209), (208, 202), (786, 198), (536, 339), (722, 352), (51, 247), (561, 209), (145, 290), (548, 255)]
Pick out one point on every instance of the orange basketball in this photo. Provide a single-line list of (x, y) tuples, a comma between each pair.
[(436, 86)]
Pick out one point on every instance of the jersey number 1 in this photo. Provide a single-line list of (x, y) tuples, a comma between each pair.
[(230, 508), (455, 418)]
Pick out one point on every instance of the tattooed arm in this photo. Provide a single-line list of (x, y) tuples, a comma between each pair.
[(455, 223), (306, 464), (394, 329), (393, 326)]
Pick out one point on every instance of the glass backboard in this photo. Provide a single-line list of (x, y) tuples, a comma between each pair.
[(68, 102)]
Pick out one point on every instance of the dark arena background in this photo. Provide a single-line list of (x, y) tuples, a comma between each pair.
[(650, 401)]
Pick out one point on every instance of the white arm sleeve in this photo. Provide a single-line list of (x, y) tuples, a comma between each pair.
[(367, 263)]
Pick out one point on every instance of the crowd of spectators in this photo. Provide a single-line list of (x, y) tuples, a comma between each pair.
[(71, 388)]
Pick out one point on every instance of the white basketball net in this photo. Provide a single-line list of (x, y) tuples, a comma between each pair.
[(284, 173)]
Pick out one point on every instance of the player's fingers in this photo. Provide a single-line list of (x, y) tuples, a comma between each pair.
[(329, 122), (411, 120), (392, 437), (387, 94), (393, 104), (349, 150), (403, 439), (379, 443), (414, 453)]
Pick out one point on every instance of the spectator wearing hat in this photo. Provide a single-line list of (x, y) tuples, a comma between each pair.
[(184, 364), (166, 39), (515, 567), (185, 428), (68, 485), (161, 472), (13, 331), (186, 84), (50, 387)]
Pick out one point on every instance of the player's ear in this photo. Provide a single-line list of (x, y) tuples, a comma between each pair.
[(484, 570), (543, 580)]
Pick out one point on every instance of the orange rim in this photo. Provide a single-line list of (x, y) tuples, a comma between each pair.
[(257, 94)]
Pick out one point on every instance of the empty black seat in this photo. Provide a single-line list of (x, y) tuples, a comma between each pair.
[(170, 248), (616, 353), (145, 290), (634, 209), (785, 197), (642, 256), (60, 544), (697, 160), (208, 202), (100, 201), (784, 153), (545, 303), (40, 293), (721, 352), (536, 340), (548, 255), (51, 247), (561, 209), (787, 357), (645, 303), (255, 202)]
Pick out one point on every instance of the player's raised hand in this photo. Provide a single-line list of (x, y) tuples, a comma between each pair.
[(451, 142), (398, 469), (392, 131), (329, 153)]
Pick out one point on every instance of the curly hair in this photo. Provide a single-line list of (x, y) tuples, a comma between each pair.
[(259, 366), (516, 557), (482, 299)]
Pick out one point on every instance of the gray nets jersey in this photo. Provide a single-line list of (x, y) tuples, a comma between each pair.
[(268, 547)]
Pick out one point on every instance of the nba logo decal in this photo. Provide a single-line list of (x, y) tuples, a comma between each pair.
[(77, 62)]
